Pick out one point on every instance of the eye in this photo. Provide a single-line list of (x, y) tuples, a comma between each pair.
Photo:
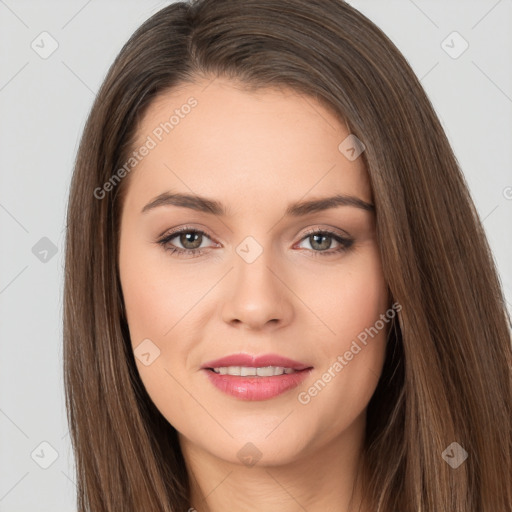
[(321, 240), (191, 241)]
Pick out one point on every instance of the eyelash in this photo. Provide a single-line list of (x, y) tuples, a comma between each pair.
[(345, 243)]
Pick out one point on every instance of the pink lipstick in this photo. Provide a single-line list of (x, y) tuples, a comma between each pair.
[(255, 377)]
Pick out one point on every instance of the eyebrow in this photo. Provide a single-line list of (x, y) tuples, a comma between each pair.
[(301, 208)]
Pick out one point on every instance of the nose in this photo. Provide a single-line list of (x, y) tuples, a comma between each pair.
[(256, 295)]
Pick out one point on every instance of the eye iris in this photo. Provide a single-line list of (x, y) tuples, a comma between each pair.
[(191, 237), (324, 245)]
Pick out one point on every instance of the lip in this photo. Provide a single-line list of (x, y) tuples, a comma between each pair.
[(256, 362), (256, 388)]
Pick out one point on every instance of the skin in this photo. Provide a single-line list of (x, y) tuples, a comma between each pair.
[(256, 152)]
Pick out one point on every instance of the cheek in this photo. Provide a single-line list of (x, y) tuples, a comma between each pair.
[(362, 299), (145, 303), (352, 355), (156, 304), (154, 295), (350, 299), (362, 331)]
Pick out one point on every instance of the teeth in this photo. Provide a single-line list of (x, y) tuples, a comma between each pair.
[(245, 371)]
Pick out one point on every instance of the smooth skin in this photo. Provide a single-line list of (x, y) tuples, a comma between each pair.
[(256, 153)]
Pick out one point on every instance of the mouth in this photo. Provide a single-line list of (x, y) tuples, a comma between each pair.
[(255, 378)]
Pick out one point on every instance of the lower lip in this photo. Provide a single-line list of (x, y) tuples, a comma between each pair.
[(256, 388)]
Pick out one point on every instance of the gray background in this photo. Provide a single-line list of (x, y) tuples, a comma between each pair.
[(44, 104)]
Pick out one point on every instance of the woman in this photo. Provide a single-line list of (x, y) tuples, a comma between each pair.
[(278, 293)]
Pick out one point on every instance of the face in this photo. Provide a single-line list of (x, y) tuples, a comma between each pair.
[(251, 270)]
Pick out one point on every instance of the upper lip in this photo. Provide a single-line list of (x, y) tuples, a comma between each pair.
[(250, 361)]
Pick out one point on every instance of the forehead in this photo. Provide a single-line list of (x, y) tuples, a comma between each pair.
[(216, 137)]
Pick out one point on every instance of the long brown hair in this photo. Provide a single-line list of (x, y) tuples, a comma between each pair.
[(447, 374)]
